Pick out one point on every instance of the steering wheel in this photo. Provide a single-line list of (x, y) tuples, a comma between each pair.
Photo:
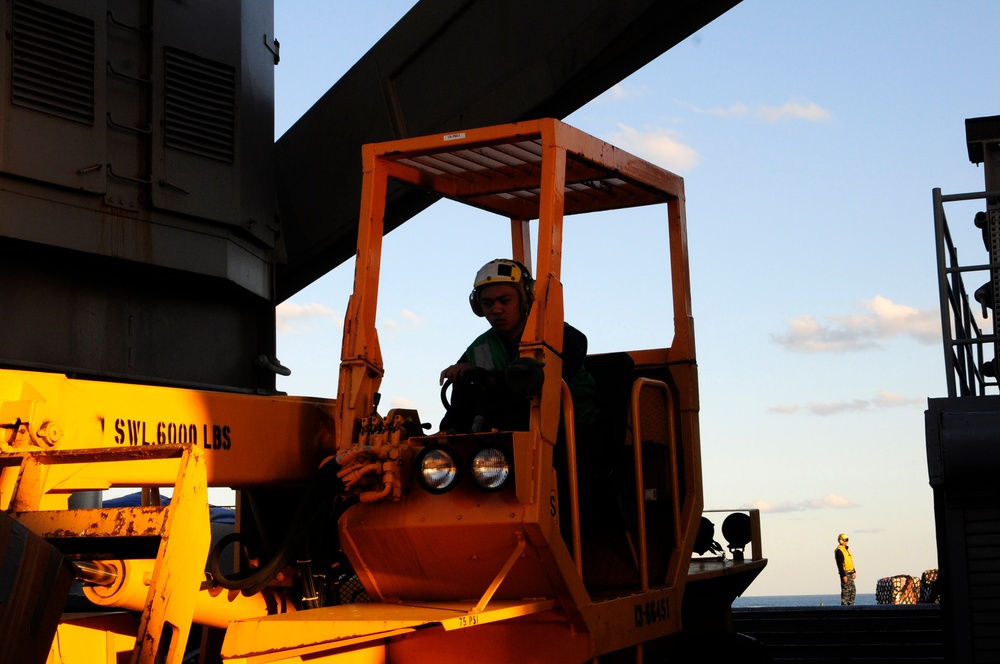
[(474, 377), (444, 395)]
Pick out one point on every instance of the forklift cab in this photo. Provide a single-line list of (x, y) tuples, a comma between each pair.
[(477, 516)]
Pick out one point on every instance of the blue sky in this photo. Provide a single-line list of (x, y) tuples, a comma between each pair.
[(810, 135)]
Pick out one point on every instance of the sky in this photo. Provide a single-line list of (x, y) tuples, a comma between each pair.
[(810, 136)]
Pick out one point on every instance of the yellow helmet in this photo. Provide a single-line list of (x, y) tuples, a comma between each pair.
[(504, 271)]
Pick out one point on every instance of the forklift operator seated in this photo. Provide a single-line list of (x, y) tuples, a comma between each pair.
[(491, 383)]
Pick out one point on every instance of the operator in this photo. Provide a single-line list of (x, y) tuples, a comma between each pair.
[(503, 293), (845, 567)]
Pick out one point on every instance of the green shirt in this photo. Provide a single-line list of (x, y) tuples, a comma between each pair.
[(490, 352)]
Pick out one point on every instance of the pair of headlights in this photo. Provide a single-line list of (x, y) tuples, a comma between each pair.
[(440, 468)]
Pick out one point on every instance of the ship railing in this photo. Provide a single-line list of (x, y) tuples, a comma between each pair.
[(965, 341)]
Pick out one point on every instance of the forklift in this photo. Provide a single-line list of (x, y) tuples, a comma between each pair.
[(358, 536)]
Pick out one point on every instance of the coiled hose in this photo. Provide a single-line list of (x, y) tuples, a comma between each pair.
[(323, 493)]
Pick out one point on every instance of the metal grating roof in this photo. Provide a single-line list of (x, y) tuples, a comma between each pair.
[(505, 178)]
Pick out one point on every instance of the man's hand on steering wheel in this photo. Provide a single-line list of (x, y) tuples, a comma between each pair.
[(456, 372), (468, 375)]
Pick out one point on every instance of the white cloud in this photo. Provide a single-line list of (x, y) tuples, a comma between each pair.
[(881, 401), (895, 319), (660, 146), (738, 110), (790, 110), (407, 320), (883, 319), (889, 400), (829, 501), (794, 110), (402, 402), (412, 319), (620, 92), (289, 316)]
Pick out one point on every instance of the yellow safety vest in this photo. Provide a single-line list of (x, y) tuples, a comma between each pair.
[(848, 559)]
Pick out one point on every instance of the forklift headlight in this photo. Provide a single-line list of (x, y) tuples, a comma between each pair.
[(438, 469), (490, 468)]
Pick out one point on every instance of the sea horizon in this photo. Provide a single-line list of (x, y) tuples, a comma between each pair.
[(770, 601)]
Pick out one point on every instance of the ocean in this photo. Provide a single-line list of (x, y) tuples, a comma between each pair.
[(763, 601)]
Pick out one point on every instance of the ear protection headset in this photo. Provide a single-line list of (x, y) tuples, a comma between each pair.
[(504, 271)]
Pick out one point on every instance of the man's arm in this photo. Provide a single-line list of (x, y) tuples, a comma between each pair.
[(455, 372), (574, 351)]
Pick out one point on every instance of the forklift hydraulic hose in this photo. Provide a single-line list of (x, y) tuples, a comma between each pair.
[(324, 491)]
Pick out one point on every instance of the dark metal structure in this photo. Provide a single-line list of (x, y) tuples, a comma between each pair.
[(138, 223), (450, 65), (148, 221), (963, 429)]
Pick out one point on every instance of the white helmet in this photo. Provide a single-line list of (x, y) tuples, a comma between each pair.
[(504, 271)]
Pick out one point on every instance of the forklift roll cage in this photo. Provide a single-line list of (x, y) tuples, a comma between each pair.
[(544, 170)]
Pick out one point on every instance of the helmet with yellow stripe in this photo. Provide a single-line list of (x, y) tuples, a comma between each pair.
[(504, 271)]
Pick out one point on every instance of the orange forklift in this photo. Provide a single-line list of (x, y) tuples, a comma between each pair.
[(403, 547)]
